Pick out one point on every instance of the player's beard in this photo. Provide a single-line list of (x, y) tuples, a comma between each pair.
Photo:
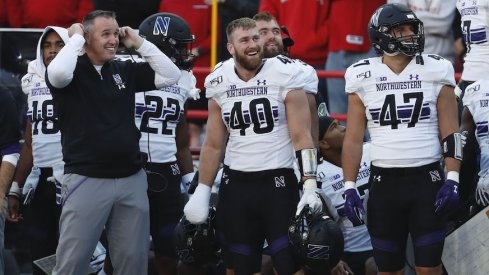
[(269, 52), (250, 62)]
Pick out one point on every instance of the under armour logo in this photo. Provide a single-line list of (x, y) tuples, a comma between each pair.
[(262, 82), (280, 181), (435, 176), (411, 77), (455, 189), (377, 178)]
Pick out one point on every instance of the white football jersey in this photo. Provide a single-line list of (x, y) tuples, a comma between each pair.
[(157, 115), (475, 28), (46, 136), (356, 238), (311, 79), (254, 113), (476, 99), (401, 108)]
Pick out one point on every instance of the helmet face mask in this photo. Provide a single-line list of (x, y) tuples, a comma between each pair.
[(382, 31), (195, 244), (172, 35), (317, 241)]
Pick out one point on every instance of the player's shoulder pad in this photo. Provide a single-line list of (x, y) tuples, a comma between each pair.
[(216, 77), (284, 63), (359, 71), (29, 80), (436, 62), (475, 88), (361, 66)]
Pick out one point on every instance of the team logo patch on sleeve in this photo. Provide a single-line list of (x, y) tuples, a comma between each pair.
[(216, 81)]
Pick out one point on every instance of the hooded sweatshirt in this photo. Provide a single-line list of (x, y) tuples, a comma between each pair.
[(46, 137)]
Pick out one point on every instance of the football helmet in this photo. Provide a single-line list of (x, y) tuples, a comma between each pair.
[(317, 241), (195, 243), (384, 19), (172, 35)]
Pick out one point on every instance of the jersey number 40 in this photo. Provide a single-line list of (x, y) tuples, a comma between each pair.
[(259, 114)]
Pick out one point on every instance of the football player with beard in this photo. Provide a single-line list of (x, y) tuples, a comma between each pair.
[(258, 114), (273, 45)]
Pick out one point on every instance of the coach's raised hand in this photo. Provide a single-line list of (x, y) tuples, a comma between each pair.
[(75, 28), (130, 38)]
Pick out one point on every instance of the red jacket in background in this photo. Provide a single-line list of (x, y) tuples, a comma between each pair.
[(42, 13), (306, 21), (198, 16), (3, 14), (348, 24)]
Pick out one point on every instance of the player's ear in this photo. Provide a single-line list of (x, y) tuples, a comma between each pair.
[(230, 48), (323, 145)]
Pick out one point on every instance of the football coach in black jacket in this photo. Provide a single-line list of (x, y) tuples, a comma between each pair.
[(104, 183)]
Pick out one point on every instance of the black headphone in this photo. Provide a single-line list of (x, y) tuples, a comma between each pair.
[(287, 41)]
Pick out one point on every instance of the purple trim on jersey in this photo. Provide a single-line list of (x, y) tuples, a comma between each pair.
[(242, 249), (279, 244), (11, 149), (482, 128), (167, 230), (341, 211), (384, 245), (430, 238), (73, 190), (478, 36)]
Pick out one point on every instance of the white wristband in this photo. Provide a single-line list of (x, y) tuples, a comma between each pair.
[(453, 175), (15, 190), (310, 184), (11, 158), (203, 190), (349, 184), (188, 177)]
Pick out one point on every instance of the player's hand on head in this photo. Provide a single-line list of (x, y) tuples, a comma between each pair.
[(75, 28), (130, 38), (482, 192), (197, 208), (447, 197), (354, 206)]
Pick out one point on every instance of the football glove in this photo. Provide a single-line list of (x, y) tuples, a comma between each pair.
[(197, 208), (185, 182), (30, 185), (310, 197), (482, 192), (447, 197), (353, 206)]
